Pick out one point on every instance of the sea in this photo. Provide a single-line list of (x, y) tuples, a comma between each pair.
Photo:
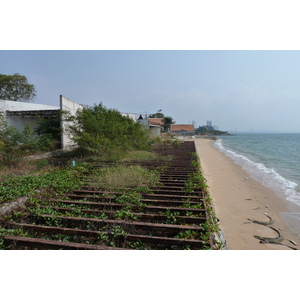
[(274, 161)]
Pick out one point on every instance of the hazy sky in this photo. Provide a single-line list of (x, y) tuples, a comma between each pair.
[(237, 90)]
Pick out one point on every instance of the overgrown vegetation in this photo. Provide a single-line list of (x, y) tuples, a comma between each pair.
[(127, 209), (139, 155), (212, 224), (15, 145), (107, 134), (120, 177), (55, 182), (104, 136)]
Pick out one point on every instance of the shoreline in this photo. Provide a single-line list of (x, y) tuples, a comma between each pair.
[(238, 200)]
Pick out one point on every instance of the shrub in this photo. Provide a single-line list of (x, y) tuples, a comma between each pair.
[(15, 144), (106, 133)]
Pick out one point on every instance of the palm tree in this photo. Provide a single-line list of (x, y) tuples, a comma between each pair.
[(168, 121)]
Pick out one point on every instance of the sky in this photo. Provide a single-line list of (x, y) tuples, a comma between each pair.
[(235, 63), (238, 90)]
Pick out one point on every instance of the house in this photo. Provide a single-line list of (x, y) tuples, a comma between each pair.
[(156, 121), (18, 114), (154, 126), (183, 129)]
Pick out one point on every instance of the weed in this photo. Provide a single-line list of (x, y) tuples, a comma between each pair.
[(61, 237), (117, 231), (172, 217), (125, 214), (122, 177), (137, 245), (103, 216), (143, 190), (188, 234), (193, 206), (52, 221), (176, 143), (17, 215), (55, 182), (140, 156), (103, 237), (46, 210), (18, 231), (132, 198), (2, 244)]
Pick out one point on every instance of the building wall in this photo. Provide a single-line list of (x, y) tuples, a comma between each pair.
[(72, 107), (129, 115), (144, 122), (18, 121), (155, 131), (65, 105), (182, 127)]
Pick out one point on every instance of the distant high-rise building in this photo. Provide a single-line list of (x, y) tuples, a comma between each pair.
[(209, 125)]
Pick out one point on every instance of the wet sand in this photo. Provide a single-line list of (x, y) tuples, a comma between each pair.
[(238, 198)]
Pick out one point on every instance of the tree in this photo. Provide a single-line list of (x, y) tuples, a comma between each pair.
[(106, 133), (158, 114), (16, 88), (168, 121), (49, 130)]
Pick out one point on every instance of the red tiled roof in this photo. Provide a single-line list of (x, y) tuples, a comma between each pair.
[(179, 127), (156, 121)]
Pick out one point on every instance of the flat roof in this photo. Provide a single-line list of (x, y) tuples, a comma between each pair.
[(32, 113)]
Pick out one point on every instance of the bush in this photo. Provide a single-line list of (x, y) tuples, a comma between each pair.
[(106, 133), (15, 144)]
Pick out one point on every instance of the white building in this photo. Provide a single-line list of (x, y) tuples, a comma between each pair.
[(18, 114)]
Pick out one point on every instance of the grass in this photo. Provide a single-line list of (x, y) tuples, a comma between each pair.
[(22, 168), (124, 177), (140, 156)]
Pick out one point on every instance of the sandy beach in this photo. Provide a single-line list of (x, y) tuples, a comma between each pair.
[(238, 199)]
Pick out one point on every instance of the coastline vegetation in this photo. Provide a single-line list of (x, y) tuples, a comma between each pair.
[(212, 225), (105, 133), (204, 131), (102, 135)]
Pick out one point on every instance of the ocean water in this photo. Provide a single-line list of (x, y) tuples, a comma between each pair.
[(271, 159), (274, 161)]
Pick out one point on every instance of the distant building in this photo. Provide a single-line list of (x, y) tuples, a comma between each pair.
[(132, 116), (183, 129), (154, 126), (156, 121), (209, 126)]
